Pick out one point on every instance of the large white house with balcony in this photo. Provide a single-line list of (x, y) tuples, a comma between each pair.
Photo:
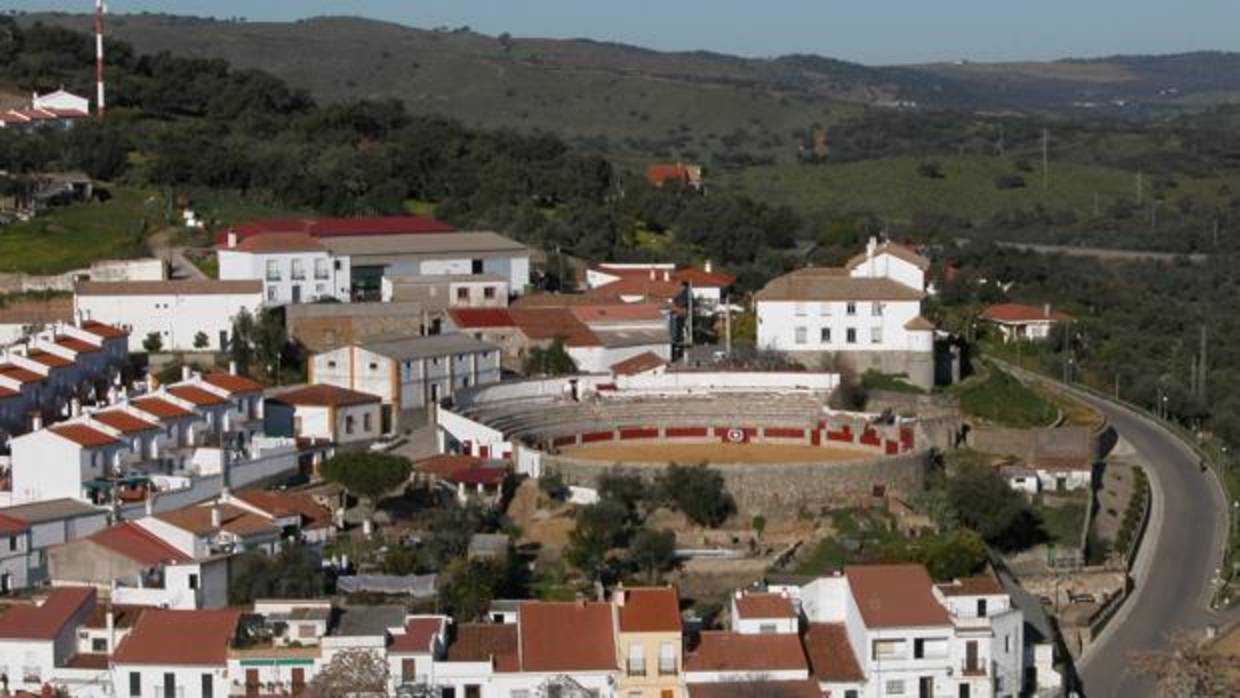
[(293, 267), (867, 314)]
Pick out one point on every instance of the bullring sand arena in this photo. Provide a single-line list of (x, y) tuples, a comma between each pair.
[(713, 453)]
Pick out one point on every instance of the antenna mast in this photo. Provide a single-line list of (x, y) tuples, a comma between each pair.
[(99, 57)]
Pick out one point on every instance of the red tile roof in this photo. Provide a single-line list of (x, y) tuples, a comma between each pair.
[(1016, 312), (642, 286), (646, 361), (83, 435), (618, 312), (895, 596), (138, 544), (321, 395), (88, 660), (894, 249), (445, 464), (751, 689), (755, 606), (235, 520), (173, 638), (6, 393), (10, 525), (196, 395), (99, 329), (734, 652), (418, 636), (337, 227), (553, 323), (233, 385), (282, 504), (479, 318), (560, 301), (123, 422), (566, 636), (479, 476), (700, 278), (655, 610), (78, 345), (656, 175), (275, 243), (831, 656), (477, 642), (973, 586), (45, 621), (49, 359), (161, 408)]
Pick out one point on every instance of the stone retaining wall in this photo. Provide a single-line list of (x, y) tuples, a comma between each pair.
[(781, 489)]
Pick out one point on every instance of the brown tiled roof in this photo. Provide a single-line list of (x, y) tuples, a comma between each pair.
[(123, 615), (282, 504), (172, 638), (553, 323), (733, 652), (196, 395), (88, 660), (276, 242), (806, 285), (123, 422), (1015, 312), (752, 689), (919, 324), (6, 393), (21, 375), (83, 435), (558, 301), (894, 249), (233, 384), (165, 288), (646, 361), (49, 359), (756, 606), (831, 656), (138, 544), (45, 621), (418, 635), (103, 330), (445, 464), (79, 345), (10, 525), (477, 642), (704, 279), (895, 596), (32, 311), (235, 520), (973, 586), (566, 636), (321, 395), (161, 408), (654, 610), (618, 312), (643, 286)]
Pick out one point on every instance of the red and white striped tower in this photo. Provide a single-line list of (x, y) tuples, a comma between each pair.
[(99, 56)]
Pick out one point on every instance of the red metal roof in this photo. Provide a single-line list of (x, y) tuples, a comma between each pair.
[(171, 638), (1017, 312), (45, 621), (338, 227), (138, 544)]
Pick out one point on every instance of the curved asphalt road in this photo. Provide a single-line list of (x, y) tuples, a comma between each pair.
[(1176, 565)]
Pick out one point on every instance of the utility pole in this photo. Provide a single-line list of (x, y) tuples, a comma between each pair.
[(727, 326), (1097, 208), (1201, 371), (689, 325), (1046, 158), (1140, 187)]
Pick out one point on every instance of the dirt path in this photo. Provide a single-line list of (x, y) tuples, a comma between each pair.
[(161, 244)]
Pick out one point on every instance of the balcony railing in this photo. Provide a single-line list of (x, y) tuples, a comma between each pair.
[(667, 667), (31, 674), (273, 276), (635, 667), (973, 669)]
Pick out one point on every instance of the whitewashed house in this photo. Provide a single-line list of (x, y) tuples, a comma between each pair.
[(327, 413), (636, 282), (38, 640), (293, 267), (176, 311), (763, 613), (1017, 322), (867, 314), (181, 653)]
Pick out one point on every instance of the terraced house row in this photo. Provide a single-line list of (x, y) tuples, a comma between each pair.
[(869, 631)]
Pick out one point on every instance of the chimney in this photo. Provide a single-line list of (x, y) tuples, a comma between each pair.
[(652, 274), (620, 595), (216, 516), (232, 368), (149, 503), (75, 407), (186, 373), (1046, 310), (232, 238), (707, 266), (667, 275), (871, 247), (111, 626), (36, 420)]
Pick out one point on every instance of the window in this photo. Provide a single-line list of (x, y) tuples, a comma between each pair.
[(462, 293), (374, 366), (473, 690), (273, 294), (307, 631), (320, 289), (919, 648), (767, 628), (299, 270), (273, 270), (800, 310), (193, 581), (895, 687), (475, 266), (135, 684), (667, 658), (488, 292), (637, 660), (320, 268), (331, 364), (366, 422), (876, 309), (850, 693), (208, 686), (800, 333), (98, 644), (887, 649), (981, 608), (1007, 642), (348, 424), (876, 335), (408, 670), (12, 542), (850, 309), (170, 684), (824, 335), (850, 335)]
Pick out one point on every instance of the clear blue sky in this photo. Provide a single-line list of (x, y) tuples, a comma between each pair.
[(868, 31)]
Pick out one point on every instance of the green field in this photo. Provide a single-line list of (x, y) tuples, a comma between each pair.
[(893, 189), (1000, 399), (1063, 524), (74, 236)]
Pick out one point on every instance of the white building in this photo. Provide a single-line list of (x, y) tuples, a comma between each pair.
[(293, 267), (433, 254), (1017, 322), (409, 374), (46, 524), (176, 311), (327, 413), (61, 100), (868, 314), (181, 653), (763, 613), (662, 281), (441, 292), (37, 641)]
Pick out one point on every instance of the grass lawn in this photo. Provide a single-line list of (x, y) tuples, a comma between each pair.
[(1063, 524), (873, 380), (221, 207), (74, 236), (1000, 399), (1075, 412)]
